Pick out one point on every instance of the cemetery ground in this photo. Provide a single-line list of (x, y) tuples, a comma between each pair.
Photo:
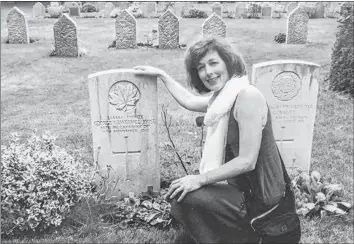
[(51, 93)]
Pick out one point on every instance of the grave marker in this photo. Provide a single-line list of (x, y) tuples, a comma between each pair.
[(124, 129), (17, 27), (266, 11), (38, 10), (240, 10), (125, 26), (214, 25), (65, 37), (108, 8), (168, 29), (319, 10), (297, 27), (74, 10), (290, 88), (217, 8)]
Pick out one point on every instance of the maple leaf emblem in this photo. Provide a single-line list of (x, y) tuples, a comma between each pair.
[(124, 96)]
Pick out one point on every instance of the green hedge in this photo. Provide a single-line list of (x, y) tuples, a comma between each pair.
[(342, 65)]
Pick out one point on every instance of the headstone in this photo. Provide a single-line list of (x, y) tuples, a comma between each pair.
[(125, 30), (17, 27), (266, 11), (217, 8), (319, 10), (297, 27), (240, 10), (108, 8), (290, 88), (124, 123), (214, 25), (291, 7), (38, 10), (66, 37), (54, 4), (74, 10), (99, 6), (149, 9), (168, 29), (122, 5)]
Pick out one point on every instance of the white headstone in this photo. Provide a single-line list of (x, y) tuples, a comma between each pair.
[(217, 8), (240, 10), (297, 26), (290, 88), (319, 10), (125, 30), (66, 37), (38, 10), (124, 129), (17, 27), (99, 6), (214, 25), (168, 29)]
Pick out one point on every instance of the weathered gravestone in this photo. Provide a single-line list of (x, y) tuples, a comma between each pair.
[(65, 37), (74, 10), (124, 129), (17, 27), (319, 10), (38, 10), (240, 10), (125, 30), (297, 27), (291, 7), (168, 29), (217, 8), (214, 25), (290, 88), (266, 11), (108, 8)]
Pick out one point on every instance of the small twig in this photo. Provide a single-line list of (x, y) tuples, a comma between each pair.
[(167, 125)]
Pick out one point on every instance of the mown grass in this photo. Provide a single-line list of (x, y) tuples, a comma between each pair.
[(51, 93)]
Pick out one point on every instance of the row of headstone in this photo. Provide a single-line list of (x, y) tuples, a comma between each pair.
[(124, 119)]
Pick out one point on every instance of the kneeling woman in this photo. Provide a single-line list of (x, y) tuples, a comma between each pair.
[(239, 147)]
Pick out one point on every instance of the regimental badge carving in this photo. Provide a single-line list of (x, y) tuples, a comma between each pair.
[(286, 86), (124, 96)]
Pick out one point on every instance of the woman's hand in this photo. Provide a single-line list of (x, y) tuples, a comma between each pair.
[(148, 70), (186, 184)]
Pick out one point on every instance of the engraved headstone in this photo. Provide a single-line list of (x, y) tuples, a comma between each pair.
[(38, 10), (168, 29), (108, 8), (297, 27), (17, 27), (214, 25), (319, 10), (217, 8), (240, 10), (74, 10), (290, 88), (124, 128), (66, 37), (266, 11), (291, 7), (125, 30)]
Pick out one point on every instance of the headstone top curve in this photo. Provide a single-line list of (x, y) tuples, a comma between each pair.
[(268, 63), (110, 71)]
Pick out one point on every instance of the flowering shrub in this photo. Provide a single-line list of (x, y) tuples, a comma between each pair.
[(40, 183)]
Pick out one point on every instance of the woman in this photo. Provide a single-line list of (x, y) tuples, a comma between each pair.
[(240, 148)]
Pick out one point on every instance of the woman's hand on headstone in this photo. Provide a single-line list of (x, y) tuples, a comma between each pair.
[(147, 70), (184, 185)]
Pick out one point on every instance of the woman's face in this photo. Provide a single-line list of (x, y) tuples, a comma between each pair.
[(212, 71)]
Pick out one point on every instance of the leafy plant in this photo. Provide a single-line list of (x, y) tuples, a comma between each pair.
[(196, 13), (40, 183), (88, 8), (55, 12), (280, 38)]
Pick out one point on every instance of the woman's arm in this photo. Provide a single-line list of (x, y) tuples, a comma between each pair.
[(184, 97), (251, 114)]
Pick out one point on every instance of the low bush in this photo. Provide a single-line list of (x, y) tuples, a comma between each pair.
[(55, 12), (88, 8), (196, 13), (40, 183), (280, 38)]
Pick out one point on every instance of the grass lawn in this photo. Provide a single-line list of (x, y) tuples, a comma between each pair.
[(51, 93)]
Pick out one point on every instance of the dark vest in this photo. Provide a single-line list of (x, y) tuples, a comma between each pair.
[(266, 182)]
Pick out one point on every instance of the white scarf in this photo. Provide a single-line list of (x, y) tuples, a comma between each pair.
[(216, 119)]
